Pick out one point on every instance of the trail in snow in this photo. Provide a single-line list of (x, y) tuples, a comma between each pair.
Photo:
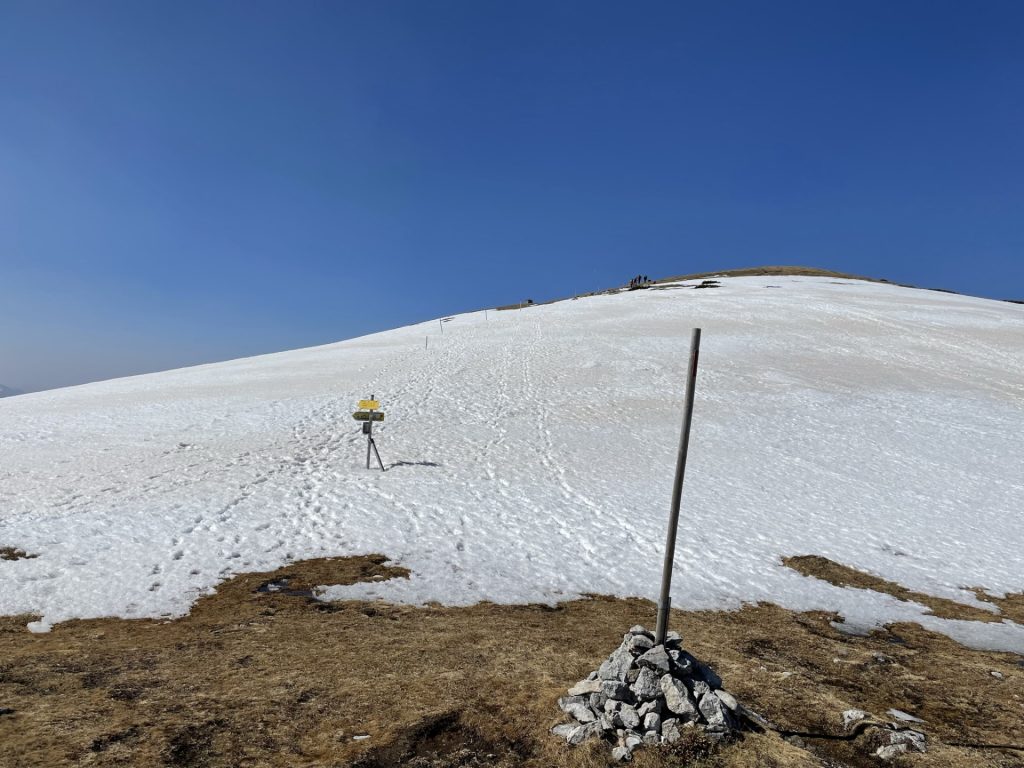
[(531, 458)]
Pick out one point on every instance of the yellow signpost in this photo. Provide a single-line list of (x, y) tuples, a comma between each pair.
[(369, 405)]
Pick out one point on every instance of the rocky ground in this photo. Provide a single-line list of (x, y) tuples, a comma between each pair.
[(263, 674)]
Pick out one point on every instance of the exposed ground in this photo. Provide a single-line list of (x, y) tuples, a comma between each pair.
[(262, 674), (781, 271), (1010, 607), (10, 553), (771, 270)]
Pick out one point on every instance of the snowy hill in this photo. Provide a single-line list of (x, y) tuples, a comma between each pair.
[(532, 452)]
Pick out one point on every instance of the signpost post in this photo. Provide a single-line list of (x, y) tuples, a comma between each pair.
[(369, 413), (665, 603)]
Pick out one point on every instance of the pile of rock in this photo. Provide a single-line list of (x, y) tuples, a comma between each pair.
[(892, 738), (645, 694)]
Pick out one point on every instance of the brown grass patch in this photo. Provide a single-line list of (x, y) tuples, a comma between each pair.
[(845, 576), (746, 272), (780, 271), (1011, 606), (11, 553), (256, 677)]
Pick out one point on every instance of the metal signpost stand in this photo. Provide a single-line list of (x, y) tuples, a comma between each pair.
[(369, 415), (665, 603)]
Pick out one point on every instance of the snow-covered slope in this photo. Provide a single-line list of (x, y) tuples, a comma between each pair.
[(532, 454)]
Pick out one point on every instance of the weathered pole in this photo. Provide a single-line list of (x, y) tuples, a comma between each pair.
[(665, 603)]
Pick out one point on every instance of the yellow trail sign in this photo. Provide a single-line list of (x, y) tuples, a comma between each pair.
[(370, 405)]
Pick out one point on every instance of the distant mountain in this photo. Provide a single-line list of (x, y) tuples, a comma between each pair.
[(8, 392)]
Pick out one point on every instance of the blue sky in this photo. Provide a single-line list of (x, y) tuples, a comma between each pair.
[(187, 182)]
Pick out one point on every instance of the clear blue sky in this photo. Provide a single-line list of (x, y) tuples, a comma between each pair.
[(183, 182)]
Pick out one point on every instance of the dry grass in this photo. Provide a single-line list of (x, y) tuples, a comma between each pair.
[(747, 272), (258, 678), (12, 553), (1011, 607), (781, 271)]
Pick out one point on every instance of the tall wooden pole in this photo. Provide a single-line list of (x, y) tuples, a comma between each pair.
[(665, 603)]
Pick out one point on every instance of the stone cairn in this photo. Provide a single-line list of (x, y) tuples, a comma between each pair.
[(645, 694)]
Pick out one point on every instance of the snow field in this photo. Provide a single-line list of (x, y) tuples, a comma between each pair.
[(875, 425)]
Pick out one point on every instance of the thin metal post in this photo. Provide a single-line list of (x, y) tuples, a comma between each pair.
[(377, 454), (665, 603), (369, 436)]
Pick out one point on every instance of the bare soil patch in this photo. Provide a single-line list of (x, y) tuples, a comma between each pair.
[(263, 674), (12, 553)]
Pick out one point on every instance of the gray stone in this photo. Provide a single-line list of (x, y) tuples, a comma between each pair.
[(564, 729), (652, 722), (648, 685), (706, 673), (656, 659), (577, 707), (613, 689), (583, 732), (728, 699), (678, 699), (650, 706), (906, 717), (639, 644), (617, 665), (592, 675), (606, 721), (633, 740), (632, 675), (913, 740), (584, 687), (566, 701), (901, 742), (636, 629), (612, 706), (622, 754), (852, 716), (628, 715), (596, 701), (681, 663), (714, 712), (891, 751), (700, 689), (673, 637), (670, 731), (652, 738)]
